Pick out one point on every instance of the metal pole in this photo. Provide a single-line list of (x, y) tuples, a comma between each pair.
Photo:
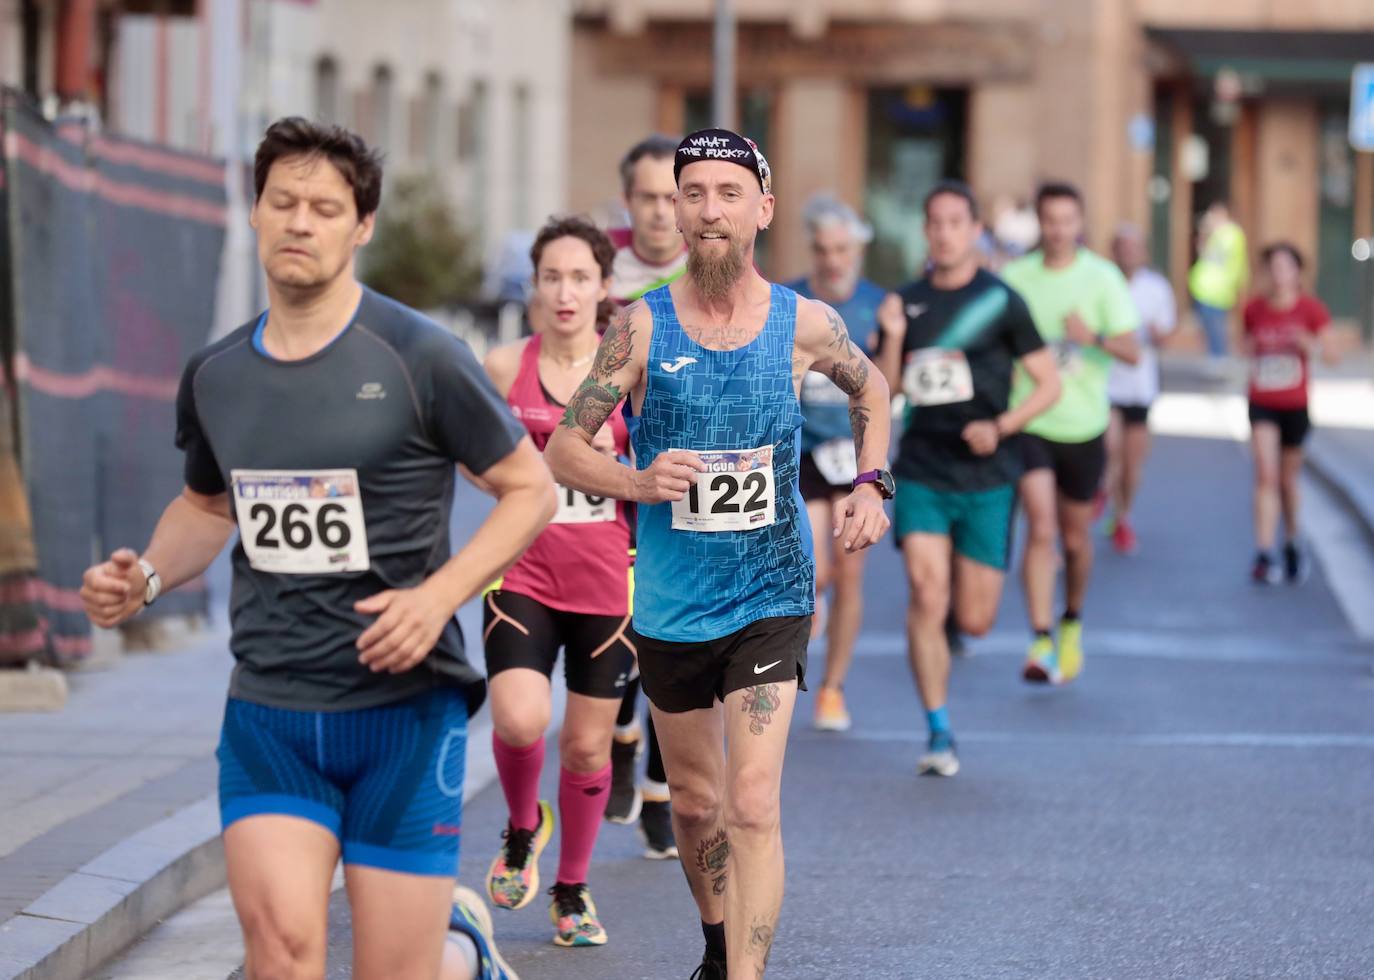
[(723, 99)]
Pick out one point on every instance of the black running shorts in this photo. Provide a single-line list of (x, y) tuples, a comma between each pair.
[(1077, 466), (1293, 423), (813, 485), (681, 677), (1133, 414), (598, 654)]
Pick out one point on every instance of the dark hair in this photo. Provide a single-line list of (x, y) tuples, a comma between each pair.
[(1274, 248), (1052, 189), (954, 188), (581, 228), (657, 146), (293, 136)]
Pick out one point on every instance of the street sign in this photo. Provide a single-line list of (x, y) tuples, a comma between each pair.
[(1362, 108)]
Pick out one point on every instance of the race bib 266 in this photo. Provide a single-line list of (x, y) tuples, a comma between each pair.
[(301, 522)]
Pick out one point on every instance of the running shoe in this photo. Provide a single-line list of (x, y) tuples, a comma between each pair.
[(1123, 537), (469, 916), (710, 969), (940, 758), (1296, 565), (1265, 571), (656, 828), (1070, 649), (831, 714), (514, 876), (625, 798), (573, 912), (1040, 662)]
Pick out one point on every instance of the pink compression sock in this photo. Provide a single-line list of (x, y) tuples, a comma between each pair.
[(519, 771), (581, 807)]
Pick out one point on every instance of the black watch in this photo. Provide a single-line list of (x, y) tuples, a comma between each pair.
[(882, 479)]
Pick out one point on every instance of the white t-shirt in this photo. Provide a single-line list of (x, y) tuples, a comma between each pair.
[(1138, 384)]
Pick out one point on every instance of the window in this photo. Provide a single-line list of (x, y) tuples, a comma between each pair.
[(382, 119), (472, 150), (327, 90), (427, 122), (520, 157)]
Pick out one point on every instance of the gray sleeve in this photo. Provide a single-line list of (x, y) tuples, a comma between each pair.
[(201, 469), (467, 417)]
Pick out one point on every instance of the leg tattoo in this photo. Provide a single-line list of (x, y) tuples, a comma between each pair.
[(759, 704), (713, 860), (761, 944)]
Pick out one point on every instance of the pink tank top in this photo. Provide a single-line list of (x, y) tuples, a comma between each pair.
[(580, 563)]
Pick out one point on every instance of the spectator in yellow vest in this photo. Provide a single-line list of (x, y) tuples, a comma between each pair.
[(1219, 276)]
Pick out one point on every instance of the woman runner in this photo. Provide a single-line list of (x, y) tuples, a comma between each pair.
[(569, 590)]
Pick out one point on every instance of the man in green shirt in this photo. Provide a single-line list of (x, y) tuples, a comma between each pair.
[(1219, 276), (1082, 307)]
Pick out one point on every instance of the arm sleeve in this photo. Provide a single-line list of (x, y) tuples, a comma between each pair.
[(1021, 332), (202, 472), (468, 419), (1118, 309)]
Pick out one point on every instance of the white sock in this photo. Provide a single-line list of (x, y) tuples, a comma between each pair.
[(655, 790), (628, 733)]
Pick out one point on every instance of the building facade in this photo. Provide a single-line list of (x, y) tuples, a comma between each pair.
[(1153, 107)]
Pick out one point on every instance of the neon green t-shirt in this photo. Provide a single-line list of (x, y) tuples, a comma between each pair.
[(1219, 274), (1095, 288)]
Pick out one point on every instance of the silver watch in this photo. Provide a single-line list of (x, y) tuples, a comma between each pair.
[(154, 587)]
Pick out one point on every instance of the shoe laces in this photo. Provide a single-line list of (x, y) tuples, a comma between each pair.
[(569, 899), (710, 969), (519, 843)]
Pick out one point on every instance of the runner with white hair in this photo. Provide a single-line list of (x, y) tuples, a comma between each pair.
[(837, 236)]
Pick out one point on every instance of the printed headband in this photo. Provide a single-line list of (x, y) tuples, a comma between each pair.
[(721, 144)]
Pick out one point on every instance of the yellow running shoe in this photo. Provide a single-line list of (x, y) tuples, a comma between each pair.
[(1070, 649), (1040, 665), (831, 714), (514, 876), (575, 921)]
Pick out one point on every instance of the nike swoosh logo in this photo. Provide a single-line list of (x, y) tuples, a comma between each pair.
[(766, 668), (677, 365)]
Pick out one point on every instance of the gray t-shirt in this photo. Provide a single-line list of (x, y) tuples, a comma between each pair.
[(395, 399)]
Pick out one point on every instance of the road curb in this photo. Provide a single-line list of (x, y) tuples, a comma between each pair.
[(1343, 482), (109, 902)]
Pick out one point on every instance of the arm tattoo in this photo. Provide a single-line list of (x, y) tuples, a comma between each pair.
[(591, 405), (839, 336), (616, 345), (713, 860), (850, 376), (761, 944), (760, 703), (858, 421)]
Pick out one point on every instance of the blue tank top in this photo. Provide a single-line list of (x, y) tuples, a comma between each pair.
[(693, 586)]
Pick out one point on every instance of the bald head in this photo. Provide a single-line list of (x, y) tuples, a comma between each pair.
[(1129, 249)]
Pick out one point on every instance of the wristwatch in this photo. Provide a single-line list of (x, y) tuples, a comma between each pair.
[(882, 479), (154, 587)]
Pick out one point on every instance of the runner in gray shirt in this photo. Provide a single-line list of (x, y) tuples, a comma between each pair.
[(327, 432)]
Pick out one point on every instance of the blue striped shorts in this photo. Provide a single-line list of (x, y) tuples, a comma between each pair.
[(387, 781)]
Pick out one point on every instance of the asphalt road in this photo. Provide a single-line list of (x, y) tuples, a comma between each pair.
[(1199, 804)]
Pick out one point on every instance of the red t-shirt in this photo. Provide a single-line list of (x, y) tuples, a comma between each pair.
[(1278, 370)]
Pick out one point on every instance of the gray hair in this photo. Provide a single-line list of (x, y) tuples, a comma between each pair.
[(823, 209)]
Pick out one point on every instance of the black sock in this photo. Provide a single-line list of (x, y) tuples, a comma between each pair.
[(715, 939), (1039, 634), (654, 770), (1070, 615), (628, 704)]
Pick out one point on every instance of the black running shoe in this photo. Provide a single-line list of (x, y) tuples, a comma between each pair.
[(1296, 565), (710, 969), (624, 801), (656, 827)]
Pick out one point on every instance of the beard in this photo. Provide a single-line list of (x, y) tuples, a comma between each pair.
[(716, 274)]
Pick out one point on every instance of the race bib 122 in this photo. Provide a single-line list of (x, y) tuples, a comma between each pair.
[(735, 493)]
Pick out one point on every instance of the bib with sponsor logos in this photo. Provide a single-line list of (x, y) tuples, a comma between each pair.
[(737, 492), (936, 376), (307, 522), (1278, 372), (576, 507), (836, 461)]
